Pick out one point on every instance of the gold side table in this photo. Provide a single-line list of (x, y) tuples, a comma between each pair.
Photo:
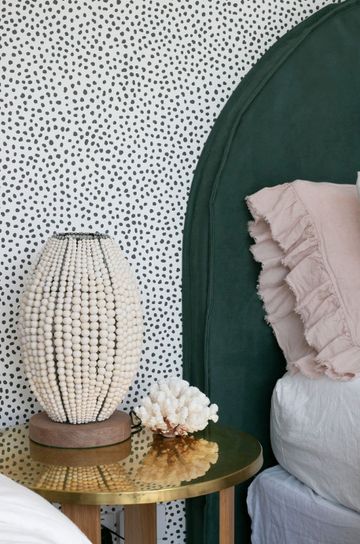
[(138, 473)]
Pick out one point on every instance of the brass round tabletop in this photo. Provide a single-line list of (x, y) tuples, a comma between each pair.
[(144, 469)]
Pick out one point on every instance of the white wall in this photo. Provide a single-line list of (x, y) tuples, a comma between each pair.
[(105, 109)]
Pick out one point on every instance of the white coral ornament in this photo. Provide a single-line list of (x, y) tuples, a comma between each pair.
[(81, 327), (174, 408)]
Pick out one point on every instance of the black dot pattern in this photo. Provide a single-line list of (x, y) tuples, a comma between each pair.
[(105, 109)]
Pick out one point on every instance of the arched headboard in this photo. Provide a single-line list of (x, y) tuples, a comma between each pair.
[(296, 115)]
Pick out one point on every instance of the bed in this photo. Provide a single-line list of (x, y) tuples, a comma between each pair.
[(295, 116), (315, 435), (27, 518), (285, 510)]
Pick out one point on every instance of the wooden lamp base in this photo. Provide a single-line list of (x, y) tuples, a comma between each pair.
[(87, 435)]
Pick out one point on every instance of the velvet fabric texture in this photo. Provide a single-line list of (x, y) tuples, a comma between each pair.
[(307, 238), (295, 116)]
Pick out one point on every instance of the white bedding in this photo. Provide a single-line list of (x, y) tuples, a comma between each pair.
[(285, 511), (27, 518), (315, 435)]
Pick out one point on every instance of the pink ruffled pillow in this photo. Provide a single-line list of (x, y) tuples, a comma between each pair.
[(307, 238)]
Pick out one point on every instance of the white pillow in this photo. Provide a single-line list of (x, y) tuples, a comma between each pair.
[(27, 518)]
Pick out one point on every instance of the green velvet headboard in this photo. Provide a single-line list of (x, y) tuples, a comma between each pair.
[(296, 115)]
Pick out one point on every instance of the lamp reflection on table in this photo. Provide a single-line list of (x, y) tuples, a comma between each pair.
[(91, 469), (146, 461)]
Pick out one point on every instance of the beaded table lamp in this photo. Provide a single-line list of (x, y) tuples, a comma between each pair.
[(81, 338)]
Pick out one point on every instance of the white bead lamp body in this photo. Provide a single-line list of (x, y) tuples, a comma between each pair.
[(81, 328)]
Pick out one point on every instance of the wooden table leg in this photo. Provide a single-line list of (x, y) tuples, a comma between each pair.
[(87, 518), (140, 524), (227, 517)]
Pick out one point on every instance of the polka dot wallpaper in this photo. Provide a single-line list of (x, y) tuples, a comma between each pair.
[(105, 108)]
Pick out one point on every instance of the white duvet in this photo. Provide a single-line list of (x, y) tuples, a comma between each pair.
[(27, 518), (285, 511), (315, 435)]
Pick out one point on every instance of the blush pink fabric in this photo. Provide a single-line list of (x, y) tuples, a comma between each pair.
[(307, 239)]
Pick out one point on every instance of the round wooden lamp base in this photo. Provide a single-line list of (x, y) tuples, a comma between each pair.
[(87, 435)]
